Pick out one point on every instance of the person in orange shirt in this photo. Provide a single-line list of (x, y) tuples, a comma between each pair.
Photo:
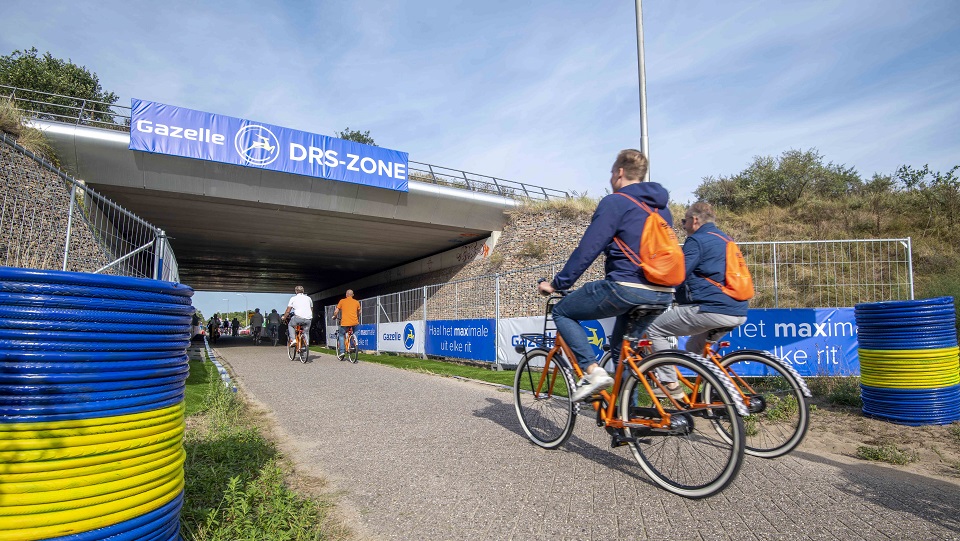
[(347, 313)]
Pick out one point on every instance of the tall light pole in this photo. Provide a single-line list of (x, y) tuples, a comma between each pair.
[(644, 143), (246, 311), (228, 306)]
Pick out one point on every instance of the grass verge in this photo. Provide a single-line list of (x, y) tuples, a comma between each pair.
[(236, 480), (886, 453)]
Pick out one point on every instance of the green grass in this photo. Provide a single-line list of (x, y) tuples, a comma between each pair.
[(886, 453), (236, 481), (430, 366), (198, 384)]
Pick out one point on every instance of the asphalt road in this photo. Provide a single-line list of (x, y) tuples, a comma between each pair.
[(417, 456)]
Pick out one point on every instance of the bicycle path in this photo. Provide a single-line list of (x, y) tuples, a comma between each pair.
[(417, 456)]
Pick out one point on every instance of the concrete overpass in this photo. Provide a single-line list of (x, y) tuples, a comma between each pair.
[(245, 229)]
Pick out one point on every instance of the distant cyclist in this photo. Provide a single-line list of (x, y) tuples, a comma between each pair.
[(300, 312), (348, 313), (273, 323), (256, 324)]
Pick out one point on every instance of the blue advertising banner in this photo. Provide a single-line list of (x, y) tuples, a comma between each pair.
[(462, 338), (167, 129), (815, 341), (366, 336)]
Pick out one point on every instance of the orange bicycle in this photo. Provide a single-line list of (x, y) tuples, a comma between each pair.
[(347, 346), (776, 397), (299, 350), (688, 445)]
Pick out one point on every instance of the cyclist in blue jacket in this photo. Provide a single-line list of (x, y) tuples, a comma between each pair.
[(701, 306), (625, 285)]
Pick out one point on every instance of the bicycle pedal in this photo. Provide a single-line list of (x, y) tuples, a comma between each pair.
[(619, 439)]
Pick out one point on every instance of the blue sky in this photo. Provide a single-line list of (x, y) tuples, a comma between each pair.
[(543, 91)]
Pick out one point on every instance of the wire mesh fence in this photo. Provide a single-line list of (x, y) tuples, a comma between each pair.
[(799, 274), (49, 220), (804, 274)]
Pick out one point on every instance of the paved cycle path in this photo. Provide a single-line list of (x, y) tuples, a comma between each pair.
[(417, 456)]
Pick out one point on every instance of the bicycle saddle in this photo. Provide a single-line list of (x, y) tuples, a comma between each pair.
[(714, 335), (645, 310)]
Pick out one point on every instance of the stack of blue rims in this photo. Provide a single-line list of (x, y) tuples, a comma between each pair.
[(92, 378), (909, 364)]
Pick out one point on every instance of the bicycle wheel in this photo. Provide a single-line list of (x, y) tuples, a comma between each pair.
[(341, 344), (689, 458), (276, 338), (303, 352), (292, 351), (777, 402), (541, 395), (353, 352)]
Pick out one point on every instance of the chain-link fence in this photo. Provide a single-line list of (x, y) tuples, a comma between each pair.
[(49, 220)]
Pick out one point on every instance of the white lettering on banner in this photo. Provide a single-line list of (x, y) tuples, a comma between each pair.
[(351, 166), (299, 153), (201, 135), (469, 332), (807, 330)]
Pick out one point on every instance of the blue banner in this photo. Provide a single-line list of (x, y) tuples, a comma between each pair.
[(815, 341), (167, 129), (463, 339), (366, 336)]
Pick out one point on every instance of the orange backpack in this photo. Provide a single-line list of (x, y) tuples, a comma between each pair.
[(660, 255), (738, 284)]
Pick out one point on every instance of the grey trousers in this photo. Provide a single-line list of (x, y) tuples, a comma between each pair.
[(686, 320)]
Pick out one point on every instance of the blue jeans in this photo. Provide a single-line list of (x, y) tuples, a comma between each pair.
[(598, 300)]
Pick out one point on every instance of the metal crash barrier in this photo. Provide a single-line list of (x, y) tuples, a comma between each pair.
[(92, 378)]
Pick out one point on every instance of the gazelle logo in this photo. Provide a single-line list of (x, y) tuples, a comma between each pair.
[(409, 337), (596, 336), (256, 145)]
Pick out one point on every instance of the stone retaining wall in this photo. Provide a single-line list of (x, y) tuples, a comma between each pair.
[(33, 219)]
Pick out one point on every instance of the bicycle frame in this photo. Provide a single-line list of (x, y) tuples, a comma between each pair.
[(606, 407)]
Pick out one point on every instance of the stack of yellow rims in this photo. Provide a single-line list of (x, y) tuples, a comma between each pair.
[(909, 367), (92, 374)]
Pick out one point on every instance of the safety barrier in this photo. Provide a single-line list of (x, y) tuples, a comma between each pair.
[(910, 370), (92, 378)]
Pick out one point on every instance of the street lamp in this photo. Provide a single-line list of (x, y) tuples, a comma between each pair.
[(228, 306), (644, 142), (246, 310)]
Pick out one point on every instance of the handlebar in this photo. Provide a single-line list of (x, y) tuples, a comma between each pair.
[(559, 292)]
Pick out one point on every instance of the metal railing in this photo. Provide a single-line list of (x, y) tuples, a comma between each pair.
[(98, 114), (53, 221), (793, 274)]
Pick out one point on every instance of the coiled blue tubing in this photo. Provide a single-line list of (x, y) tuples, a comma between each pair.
[(161, 523), (82, 346), (912, 407)]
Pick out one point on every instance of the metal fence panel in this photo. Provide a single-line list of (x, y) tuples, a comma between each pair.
[(474, 298), (813, 274)]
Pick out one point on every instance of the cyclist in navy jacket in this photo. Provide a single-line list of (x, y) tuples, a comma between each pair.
[(701, 306), (625, 285)]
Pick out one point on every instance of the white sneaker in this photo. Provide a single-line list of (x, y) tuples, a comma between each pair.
[(591, 383), (673, 387)]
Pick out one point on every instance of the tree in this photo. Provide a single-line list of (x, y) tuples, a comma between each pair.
[(78, 88), (357, 136), (782, 181)]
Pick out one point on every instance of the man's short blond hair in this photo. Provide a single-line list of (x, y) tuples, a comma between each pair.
[(633, 163), (349, 292), (298, 289)]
